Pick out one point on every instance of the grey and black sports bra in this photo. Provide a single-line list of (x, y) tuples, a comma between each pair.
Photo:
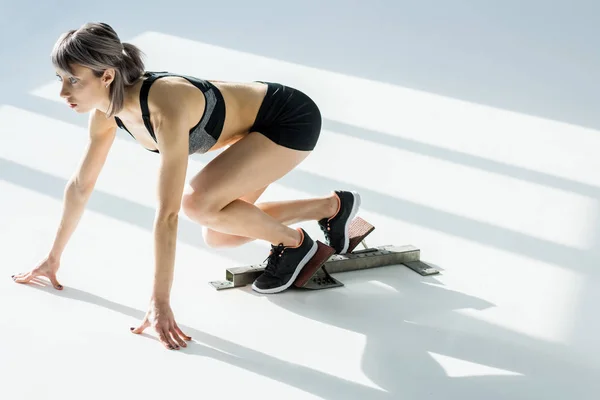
[(206, 132)]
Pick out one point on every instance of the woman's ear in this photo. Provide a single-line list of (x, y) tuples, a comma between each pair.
[(108, 77)]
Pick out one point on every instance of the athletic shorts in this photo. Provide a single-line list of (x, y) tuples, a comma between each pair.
[(289, 118)]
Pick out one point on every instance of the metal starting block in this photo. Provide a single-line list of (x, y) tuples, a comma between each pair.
[(317, 273)]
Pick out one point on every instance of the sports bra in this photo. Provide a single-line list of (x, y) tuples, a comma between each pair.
[(206, 132)]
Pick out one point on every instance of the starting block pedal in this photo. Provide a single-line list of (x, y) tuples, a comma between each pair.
[(317, 273), (358, 230), (309, 272)]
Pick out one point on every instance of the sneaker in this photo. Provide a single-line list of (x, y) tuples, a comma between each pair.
[(284, 264), (336, 228)]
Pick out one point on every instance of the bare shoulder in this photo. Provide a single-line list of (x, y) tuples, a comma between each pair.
[(175, 101), (100, 126)]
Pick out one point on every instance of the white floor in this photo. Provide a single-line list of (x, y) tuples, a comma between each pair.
[(504, 201)]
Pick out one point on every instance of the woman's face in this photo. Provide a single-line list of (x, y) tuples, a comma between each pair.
[(83, 91)]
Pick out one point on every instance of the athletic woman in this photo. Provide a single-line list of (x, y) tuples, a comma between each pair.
[(266, 128)]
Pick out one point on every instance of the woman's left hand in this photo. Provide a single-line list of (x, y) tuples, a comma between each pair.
[(160, 317)]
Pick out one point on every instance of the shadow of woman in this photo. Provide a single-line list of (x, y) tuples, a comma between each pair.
[(410, 321), (206, 345)]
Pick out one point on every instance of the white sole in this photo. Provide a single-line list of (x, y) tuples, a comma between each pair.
[(303, 262), (355, 207)]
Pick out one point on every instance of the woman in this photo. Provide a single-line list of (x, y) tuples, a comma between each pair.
[(269, 128)]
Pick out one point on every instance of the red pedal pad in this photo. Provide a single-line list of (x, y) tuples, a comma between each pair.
[(359, 229), (321, 256)]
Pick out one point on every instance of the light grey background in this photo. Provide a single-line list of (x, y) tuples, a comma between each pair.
[(535, 57)]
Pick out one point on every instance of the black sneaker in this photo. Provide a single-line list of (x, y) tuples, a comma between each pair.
[(336, 228), (284, 264)]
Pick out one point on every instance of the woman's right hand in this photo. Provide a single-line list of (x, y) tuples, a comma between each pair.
[(47, 267)]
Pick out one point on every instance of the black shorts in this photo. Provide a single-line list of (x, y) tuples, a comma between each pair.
[(289, 118)]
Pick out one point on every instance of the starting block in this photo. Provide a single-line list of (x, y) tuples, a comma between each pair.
[(317, 273)]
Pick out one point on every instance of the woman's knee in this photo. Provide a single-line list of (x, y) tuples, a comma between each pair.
[(215, 240), (202, 209), (211, 238)]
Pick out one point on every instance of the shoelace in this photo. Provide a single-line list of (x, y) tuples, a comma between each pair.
[(274, 257), (326, 230)]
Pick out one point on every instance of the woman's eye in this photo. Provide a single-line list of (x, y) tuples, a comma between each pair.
[(72, 80)]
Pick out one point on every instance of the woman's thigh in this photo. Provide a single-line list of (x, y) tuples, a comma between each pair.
[(243, 170)]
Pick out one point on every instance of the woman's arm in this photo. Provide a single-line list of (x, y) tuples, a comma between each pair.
[(171, 181), (102, 133), (171, 130), (76, 195), (172, 138)]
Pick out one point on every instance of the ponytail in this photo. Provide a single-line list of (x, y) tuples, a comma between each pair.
[(128, 71)]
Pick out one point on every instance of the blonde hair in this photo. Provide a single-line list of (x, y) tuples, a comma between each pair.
[(98, 47)]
